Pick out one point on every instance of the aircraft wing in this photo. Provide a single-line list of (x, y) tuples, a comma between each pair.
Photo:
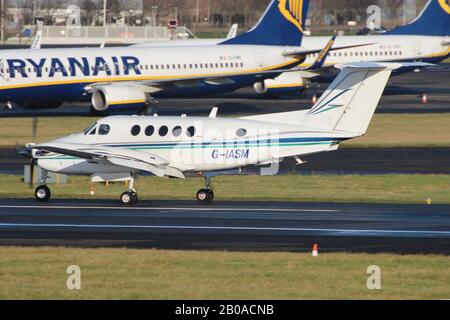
[(304, 52), (156, 85), (114, 156)]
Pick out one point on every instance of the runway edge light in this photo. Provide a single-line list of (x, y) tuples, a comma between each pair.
[(315, 251)]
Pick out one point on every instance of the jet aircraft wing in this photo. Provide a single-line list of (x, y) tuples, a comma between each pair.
[(304, 52), (114, 156)]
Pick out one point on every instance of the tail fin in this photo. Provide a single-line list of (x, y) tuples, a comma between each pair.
[(434, 20), (281, 25), (350, 101)]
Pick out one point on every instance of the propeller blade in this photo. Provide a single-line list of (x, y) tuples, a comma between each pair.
[(32, 165)]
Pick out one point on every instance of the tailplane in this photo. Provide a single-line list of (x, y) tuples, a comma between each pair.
[(349, 103), (281, 25), (434, 20)]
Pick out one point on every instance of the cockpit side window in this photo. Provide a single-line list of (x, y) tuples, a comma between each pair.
[(104, 129), (91, 130)]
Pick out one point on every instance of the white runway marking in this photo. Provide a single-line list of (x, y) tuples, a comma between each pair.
[(168, 208), (334, 231)]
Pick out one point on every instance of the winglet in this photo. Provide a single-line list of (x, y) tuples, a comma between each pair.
[(213, 113), (323, 55)]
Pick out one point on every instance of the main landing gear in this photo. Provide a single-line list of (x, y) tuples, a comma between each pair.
[(42, 192), (130, 197), (206, 195)]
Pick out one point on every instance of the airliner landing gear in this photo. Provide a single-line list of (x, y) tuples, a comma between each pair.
[(206, 195), (42, 193), (130, 197)]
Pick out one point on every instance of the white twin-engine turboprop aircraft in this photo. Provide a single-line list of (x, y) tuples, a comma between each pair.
[(117, 148)]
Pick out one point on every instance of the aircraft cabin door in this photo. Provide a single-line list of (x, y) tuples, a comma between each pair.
[(259, 60), (418, 49)]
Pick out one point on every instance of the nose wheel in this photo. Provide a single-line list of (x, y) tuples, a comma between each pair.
[(42, 193)]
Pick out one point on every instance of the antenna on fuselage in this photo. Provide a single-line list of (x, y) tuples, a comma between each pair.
[(213, 113)]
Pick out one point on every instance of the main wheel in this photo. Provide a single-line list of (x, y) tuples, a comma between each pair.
[(129, 198), (205, 195), (42, 193), (135, 198), (210, 195)]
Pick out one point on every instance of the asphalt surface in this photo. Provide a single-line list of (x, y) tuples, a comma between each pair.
[(342, 161), (403, 95), (234, 226)]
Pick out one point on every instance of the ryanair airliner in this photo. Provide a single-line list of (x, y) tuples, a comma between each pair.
[(124, 78)]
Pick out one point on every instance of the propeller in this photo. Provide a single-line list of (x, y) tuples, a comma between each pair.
[(27, 151)]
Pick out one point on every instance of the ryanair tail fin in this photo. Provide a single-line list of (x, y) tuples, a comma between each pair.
[(281, 25), (434, 20)]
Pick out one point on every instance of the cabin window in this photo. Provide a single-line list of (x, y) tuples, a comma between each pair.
[(190, 132), (135, 130), (149, 131), (241, 132), (163, 131), (90, 129), (177, 131), (104, 129)]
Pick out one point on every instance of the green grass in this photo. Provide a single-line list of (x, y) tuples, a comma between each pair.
[(316, 188), (40, 273), (424, 130)]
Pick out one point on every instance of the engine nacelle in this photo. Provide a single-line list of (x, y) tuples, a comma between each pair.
[(118, 97), (289, 82)]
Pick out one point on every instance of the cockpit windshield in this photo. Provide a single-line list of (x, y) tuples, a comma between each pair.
[(90, 129)]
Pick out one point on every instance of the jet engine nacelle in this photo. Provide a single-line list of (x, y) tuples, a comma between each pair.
[(118, 97), (289, 82)]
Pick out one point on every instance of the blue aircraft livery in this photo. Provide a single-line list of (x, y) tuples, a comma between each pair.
[(72, 67)]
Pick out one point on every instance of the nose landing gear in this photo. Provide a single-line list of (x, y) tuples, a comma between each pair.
[(42, 192)]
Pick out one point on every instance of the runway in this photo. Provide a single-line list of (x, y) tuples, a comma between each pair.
[(234, 226), (402, 95)]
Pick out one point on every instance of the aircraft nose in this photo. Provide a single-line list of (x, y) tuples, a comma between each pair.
[(75, 138)]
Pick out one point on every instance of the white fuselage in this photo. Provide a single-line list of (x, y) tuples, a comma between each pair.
[(216, 144), (384, 48), (66, 74)]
